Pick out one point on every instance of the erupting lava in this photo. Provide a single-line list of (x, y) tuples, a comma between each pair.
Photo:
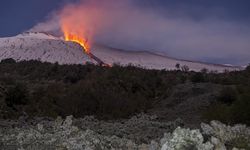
[(76, 28), (68, 36)]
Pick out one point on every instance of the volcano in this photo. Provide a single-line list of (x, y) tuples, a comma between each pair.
[(47, 48), (42, 47)]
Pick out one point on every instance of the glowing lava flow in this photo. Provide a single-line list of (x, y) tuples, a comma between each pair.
[(84, 43), (74, 38)]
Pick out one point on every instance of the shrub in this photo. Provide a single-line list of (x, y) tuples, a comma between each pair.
[(112, 92), (219, 112), (204, 70), (198, 78), (8, 61), (227, 95), (241, 142), (248, 68), (241, 109), (177, 66), (237, 112), (17, 95), (71, 77), (185, 68)]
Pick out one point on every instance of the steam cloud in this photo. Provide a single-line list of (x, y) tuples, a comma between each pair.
[(122, 24)]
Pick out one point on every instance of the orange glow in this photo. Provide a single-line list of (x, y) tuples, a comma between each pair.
[(76, 26), (107, 65), (73, 37)]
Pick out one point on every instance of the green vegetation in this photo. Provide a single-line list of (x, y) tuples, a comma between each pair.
[(44, 89)]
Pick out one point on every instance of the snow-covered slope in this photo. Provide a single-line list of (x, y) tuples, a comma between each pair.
[(47, 48), (152, 61), (43, 47)]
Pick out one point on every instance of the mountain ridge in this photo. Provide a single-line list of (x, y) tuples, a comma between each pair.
[(48, 48)]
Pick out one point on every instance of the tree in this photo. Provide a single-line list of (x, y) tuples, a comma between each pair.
[(185, 68), (177, 66), (204, 70), (248, 68)]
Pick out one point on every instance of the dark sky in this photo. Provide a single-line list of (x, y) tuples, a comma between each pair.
[(20, 15)]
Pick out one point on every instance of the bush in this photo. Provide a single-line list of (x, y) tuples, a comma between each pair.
[(198, 78), (237, 112), (241, 109), (116, 92), (248, 68), (219, 112), (71, 77), (240, 142), (185, 68), (227, 95), (177, 66), (17, 95), (8, 61)]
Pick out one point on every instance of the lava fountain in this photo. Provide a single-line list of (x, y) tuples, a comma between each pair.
[(77, 38), (78, 27), (74, 37)]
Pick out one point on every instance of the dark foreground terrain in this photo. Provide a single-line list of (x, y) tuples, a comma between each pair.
[(33, 94)]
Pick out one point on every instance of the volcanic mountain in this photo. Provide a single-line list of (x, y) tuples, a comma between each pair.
[(43, 47), (47, 48)]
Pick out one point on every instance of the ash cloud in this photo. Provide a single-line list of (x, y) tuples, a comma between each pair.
[(126, 25), (50, 25)]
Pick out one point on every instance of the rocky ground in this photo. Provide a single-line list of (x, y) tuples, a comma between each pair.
[(141, 132)]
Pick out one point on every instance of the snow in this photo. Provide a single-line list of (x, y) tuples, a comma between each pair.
[(152, 61), (39, 46), (47, 48), (37, 35)]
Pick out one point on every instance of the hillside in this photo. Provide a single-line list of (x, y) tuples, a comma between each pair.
[(42, 47), (46, 89), (129, 107), (151, 60), (46, 48)]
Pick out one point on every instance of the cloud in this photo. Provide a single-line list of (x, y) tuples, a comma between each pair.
[(122, 24)]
